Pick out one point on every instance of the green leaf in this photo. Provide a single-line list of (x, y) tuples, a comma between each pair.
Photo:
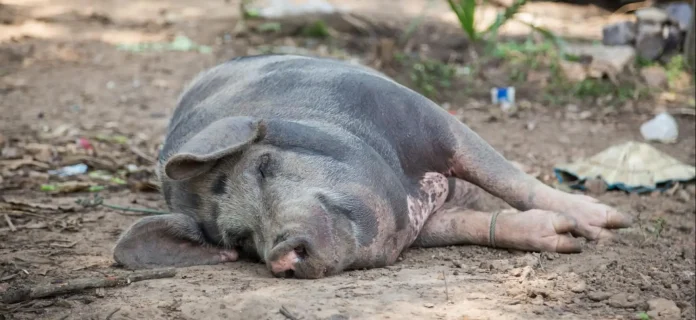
[(465, 14), (48, 187), (96, 188)]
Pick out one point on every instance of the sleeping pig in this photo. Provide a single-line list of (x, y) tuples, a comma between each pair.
[(314, 166)]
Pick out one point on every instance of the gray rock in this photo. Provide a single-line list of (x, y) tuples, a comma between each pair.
[(651, 15), (650, 41), (680, 14), (598, 295), (654, 76), (623, 300), (617, 34), (612, 57), (661, 308)]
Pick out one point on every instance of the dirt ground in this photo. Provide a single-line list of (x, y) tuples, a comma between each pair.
[(62, 78)]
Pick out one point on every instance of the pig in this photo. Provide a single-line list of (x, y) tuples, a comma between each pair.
[(314, 166)]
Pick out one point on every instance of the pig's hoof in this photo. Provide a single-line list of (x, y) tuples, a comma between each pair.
[(595, 220), (228, 256), (536, 230)]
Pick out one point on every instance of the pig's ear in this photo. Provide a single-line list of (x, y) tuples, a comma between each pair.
[(170, 240), (221, 138)]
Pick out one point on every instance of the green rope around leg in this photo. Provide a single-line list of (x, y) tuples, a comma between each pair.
[(491, 229)]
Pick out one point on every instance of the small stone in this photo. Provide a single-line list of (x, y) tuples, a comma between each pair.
[(661, 308), (516, 272), (528, 260), (579, 287), (9, 153), (623, 300), (608, 60), (100, 292), (457, 264), (573, 71), (654, 76), (598, 296), (651, 15), (596, 186), (650, 41), (497, 265), (680, 14), (618, 34), (428, 305)]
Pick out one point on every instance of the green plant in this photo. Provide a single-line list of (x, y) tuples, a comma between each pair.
[(465, 12), (674, 68), (643, 316), (466, 9), (659, 226), (430, 75), (318, 29)]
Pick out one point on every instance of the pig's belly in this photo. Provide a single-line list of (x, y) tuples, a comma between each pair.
[(433, 192)]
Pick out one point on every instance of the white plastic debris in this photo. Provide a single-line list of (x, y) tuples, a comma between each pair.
[(284, 8), (69, 170), (662, 128)]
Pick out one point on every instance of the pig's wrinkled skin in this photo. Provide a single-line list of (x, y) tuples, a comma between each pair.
[(316, 166)]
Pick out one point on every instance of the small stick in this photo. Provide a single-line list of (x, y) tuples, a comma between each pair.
[(284, 311), (446, 288), (22, 293), (142, 154), (108, 317), (10, 224)]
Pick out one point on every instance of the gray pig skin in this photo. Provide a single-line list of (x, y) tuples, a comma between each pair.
[(310, 165)]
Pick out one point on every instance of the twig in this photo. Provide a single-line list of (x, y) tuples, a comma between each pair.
[(10, 224), (99, 201), (142, 154), (108, 317), (21, 293), (284, 311), (149, 211), (446, 289)]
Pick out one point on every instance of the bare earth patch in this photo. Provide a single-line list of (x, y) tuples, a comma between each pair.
[(75, 83)]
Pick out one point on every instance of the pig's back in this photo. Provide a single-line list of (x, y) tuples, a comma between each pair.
[(395, 121)]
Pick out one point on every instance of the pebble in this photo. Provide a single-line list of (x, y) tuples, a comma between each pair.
[(618, 34), (661, 308), (623, 300), (654, 76), (650, 42), (579, 286), (428, 305), (598, 296), (528, 260), (497, 265), (680, 13)]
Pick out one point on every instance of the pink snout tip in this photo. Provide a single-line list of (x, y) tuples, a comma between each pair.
[(285, 263)]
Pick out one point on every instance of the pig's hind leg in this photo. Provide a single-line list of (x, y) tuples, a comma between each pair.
[(462, 221), (535, 230), (477, 162)]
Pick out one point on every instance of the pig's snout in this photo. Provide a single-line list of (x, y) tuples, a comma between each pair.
[(285, 257), (284, 267)]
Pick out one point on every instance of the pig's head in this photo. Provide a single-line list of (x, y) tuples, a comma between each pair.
[(279, 191)]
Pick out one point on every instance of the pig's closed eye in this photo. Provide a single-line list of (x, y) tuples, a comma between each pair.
[(264, 166)]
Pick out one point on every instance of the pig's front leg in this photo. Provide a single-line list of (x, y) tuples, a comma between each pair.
[(534, 230), (477, 162)]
